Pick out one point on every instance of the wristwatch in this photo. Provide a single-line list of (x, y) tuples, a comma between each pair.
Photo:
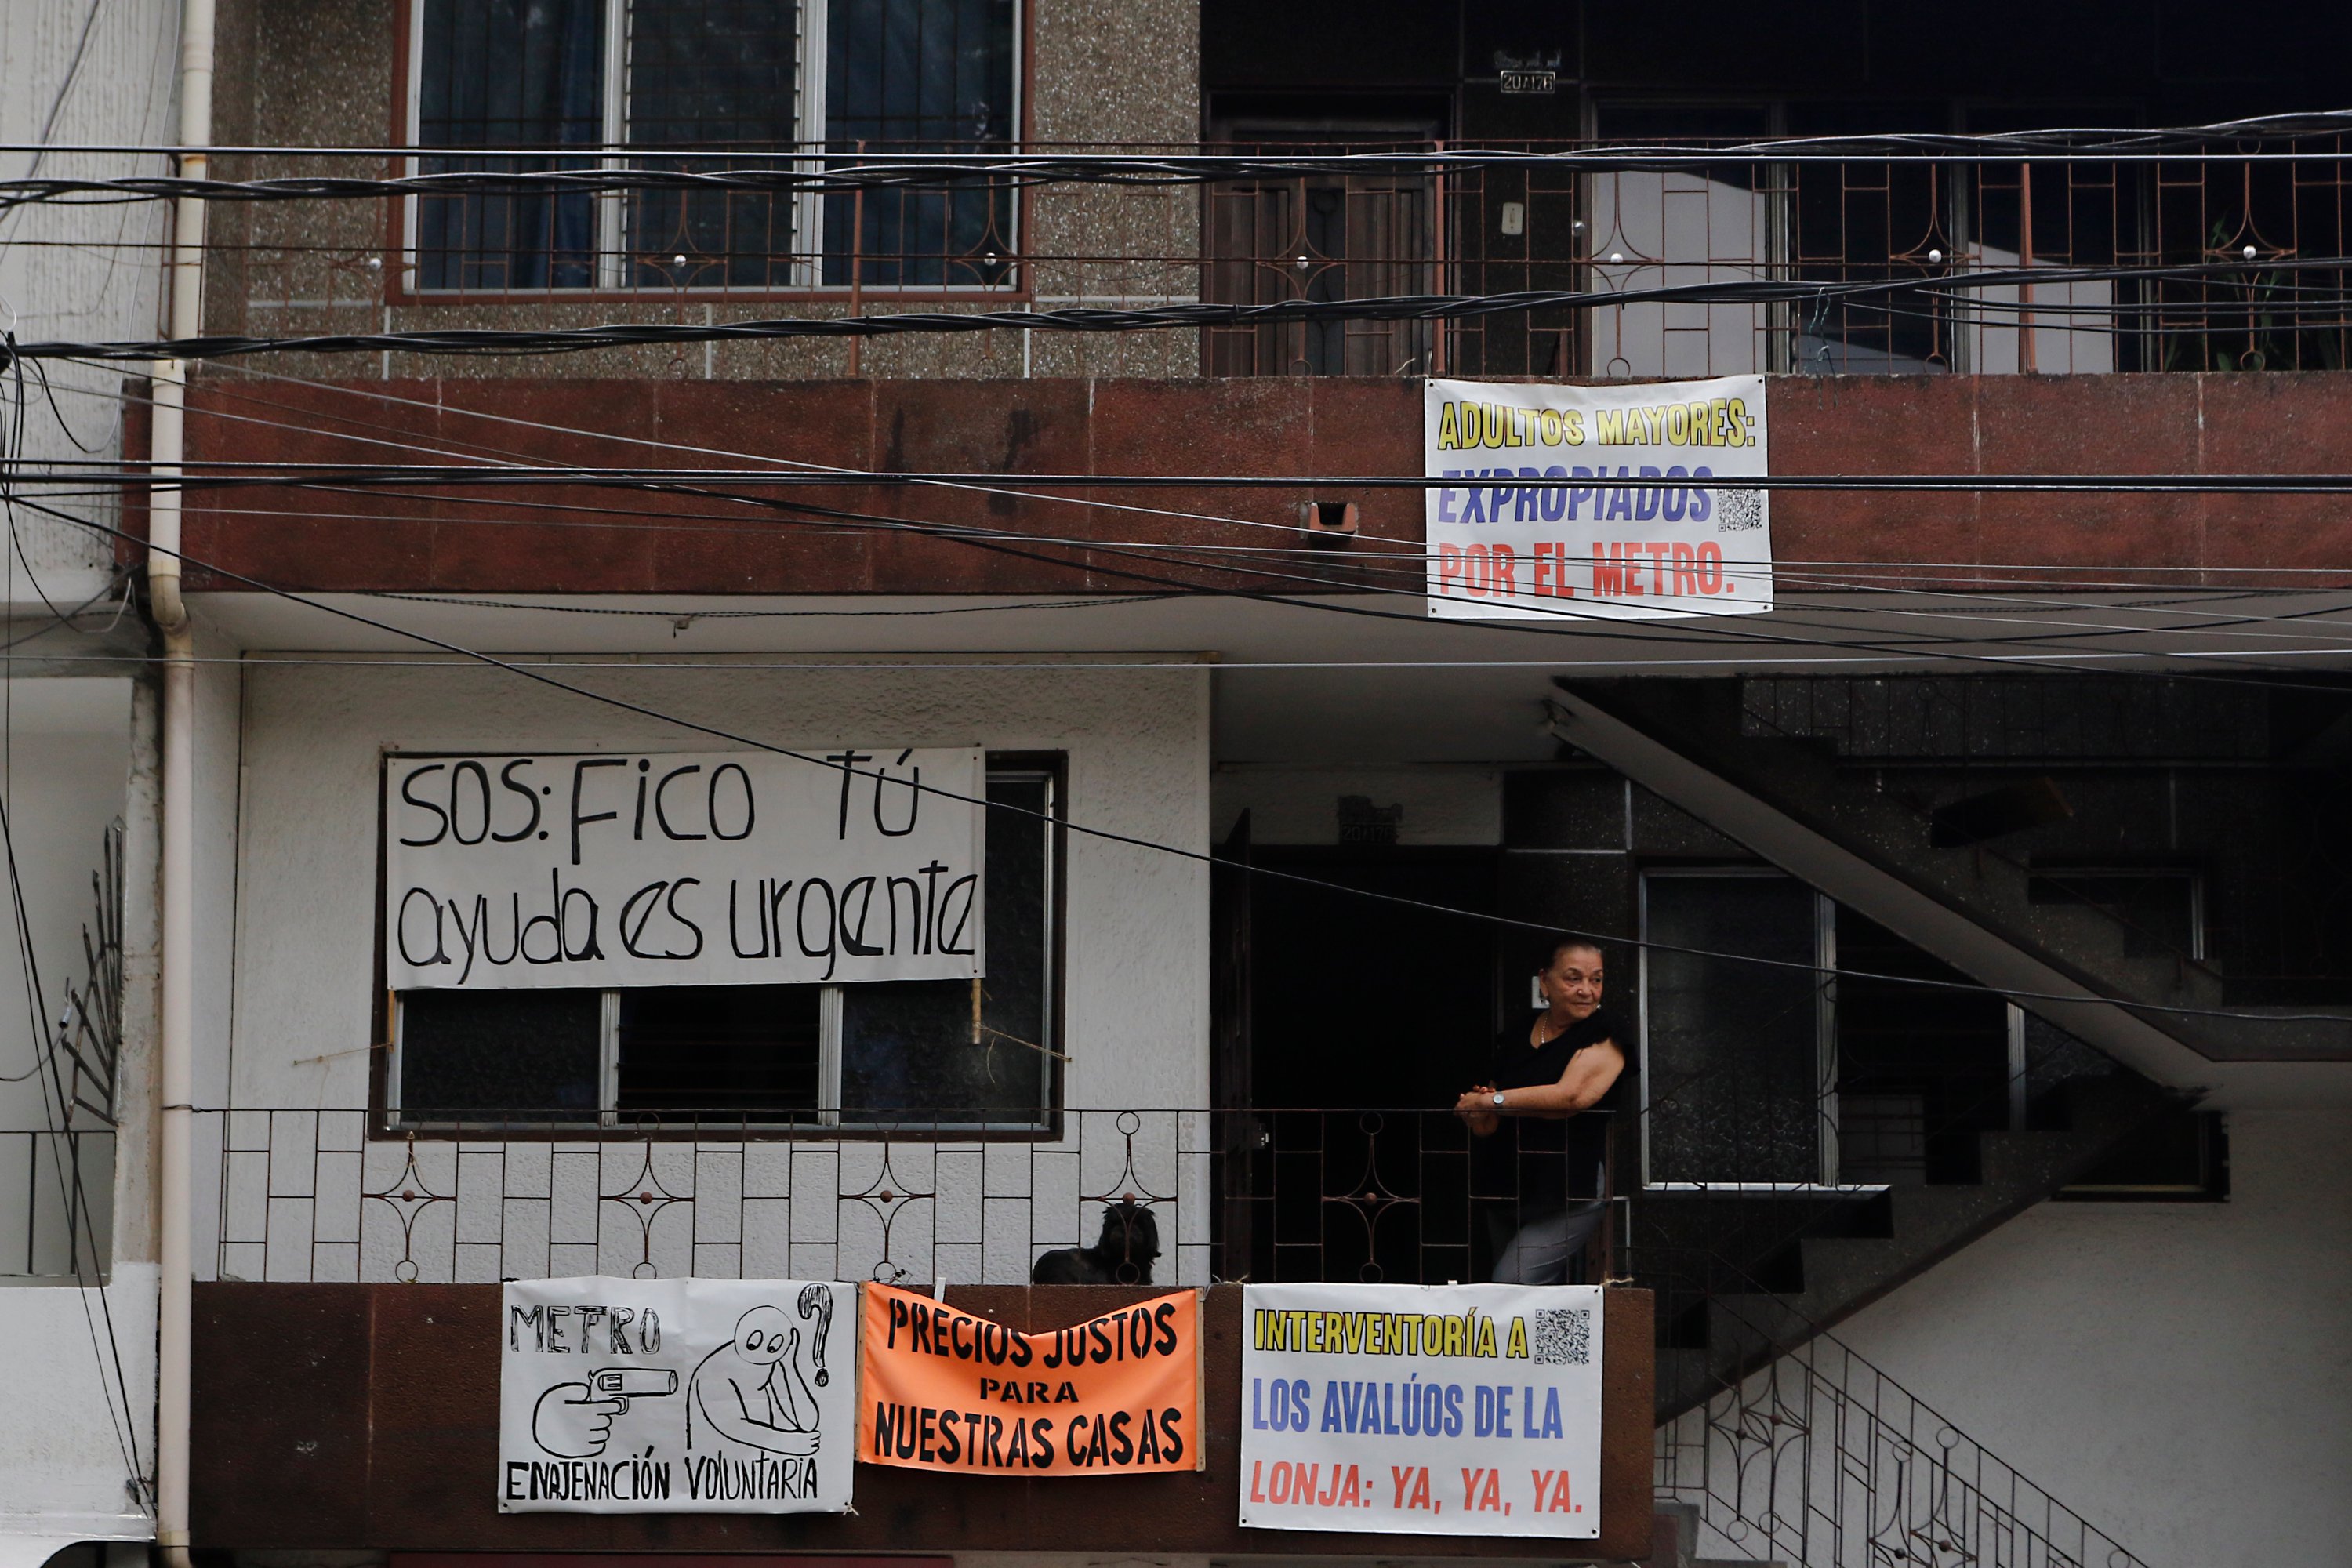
[(1498, 1097)]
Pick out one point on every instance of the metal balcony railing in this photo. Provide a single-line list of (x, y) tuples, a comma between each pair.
[(1352, 1195), (1819, 1458), (57, 1221), (57, 1145), (1255, 1192), (1592, 216)]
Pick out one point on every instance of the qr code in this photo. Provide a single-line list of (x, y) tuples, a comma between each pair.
[(1563, 1336), (1736, 511)]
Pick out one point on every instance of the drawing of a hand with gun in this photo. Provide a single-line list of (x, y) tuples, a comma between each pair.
[(574, 1420)]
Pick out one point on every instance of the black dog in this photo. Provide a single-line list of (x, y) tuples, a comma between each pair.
[(1130, 1241)]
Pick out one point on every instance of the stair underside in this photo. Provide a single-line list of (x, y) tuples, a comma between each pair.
[(1802, 782)]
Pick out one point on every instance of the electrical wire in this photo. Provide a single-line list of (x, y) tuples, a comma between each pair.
[(1398, 551), (1384, 559), (444, 410), (313, 416), (542, 677), (226, 474), (1555, 611), (895, 521), (1416, 588), (816, 167), (1589, 623), (469, 341), (1379, 550), (41, 148)]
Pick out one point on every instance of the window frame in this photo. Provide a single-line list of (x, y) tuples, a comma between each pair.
[(1825, 1039), (385, 1121), (1778, 320), (402, 286), (1778, 195)]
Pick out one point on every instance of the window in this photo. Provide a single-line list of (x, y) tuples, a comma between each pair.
[(930, 76), (1735, 1059), (509, 73), (622, 81), (769, 1054), (1856, 221), (1693, 224), (1763, 1069), (1326, 237), (2178, 1155)]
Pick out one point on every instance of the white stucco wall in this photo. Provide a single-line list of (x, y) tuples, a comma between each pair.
[(65, 761), (65, 1435), (2181, 1376), (82, 1380), (1136, 953)]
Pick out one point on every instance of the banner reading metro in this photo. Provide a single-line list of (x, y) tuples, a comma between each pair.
[(1597, 502)]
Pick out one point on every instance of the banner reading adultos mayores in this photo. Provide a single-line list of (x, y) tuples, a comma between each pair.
[(948, 1390), (1456, 1410), (1573, 503)]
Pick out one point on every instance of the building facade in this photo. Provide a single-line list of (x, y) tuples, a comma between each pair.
[(1977, 910)]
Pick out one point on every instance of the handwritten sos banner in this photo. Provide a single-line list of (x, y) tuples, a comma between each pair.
[(676, 1397), (1460, 1409), (683, 869), (1577, 502), (945, 1390)]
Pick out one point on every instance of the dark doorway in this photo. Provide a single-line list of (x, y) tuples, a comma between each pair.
[(1364, 1003), (1922, 1069), (1367, 1018)]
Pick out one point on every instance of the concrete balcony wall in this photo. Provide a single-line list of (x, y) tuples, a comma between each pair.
[(1957, 540), (357, 1417)]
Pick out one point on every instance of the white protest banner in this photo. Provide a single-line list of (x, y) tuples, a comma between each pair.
[(677, 1397), (1544, 526), (1419, 1409), (683, 869)]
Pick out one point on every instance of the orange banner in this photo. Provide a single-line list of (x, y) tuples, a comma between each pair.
[(941, 1389)]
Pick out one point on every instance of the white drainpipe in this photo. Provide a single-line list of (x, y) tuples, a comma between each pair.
[(174, 1165)]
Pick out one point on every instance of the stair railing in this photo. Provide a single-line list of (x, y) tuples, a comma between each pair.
[(1823, 1460)]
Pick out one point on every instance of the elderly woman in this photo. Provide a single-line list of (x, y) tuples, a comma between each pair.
[(1537, 1164)]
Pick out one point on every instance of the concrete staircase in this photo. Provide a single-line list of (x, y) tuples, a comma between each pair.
[(1744, 1277), (1830, 1257)]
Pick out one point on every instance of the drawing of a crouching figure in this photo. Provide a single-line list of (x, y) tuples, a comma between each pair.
[(752, 1391)]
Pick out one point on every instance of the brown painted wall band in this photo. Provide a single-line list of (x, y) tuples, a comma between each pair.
[(366, 1417)]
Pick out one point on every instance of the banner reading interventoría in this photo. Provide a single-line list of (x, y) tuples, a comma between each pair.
[(1428, 1410), (1574, 503), (943, 1389)]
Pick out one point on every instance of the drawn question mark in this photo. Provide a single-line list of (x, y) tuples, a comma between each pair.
[(818, 1301)]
